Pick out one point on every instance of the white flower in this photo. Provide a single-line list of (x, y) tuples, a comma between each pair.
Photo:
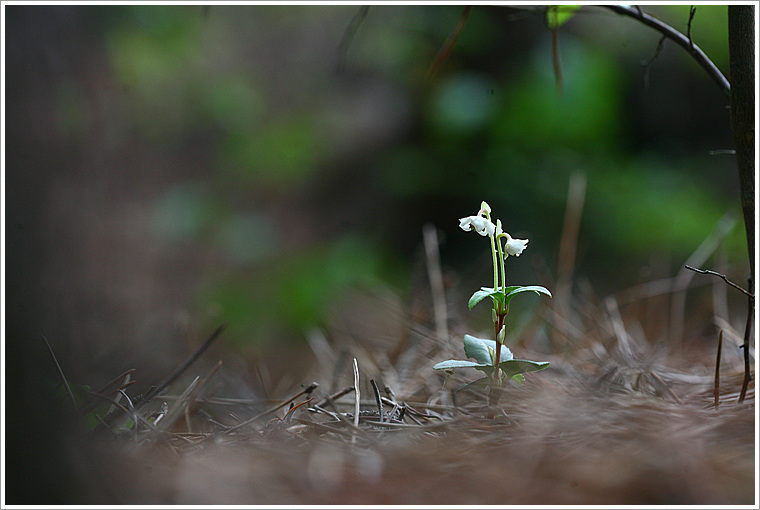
[(481, 225), (514, 246)]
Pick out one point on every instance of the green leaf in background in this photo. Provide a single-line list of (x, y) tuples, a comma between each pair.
[(558, 15)]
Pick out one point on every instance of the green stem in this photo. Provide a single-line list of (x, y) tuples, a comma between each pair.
[(501, 262), (495, 267)]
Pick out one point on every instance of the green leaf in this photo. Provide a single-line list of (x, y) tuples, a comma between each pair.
[(480, 295), (496, 294), (518, 289), (482, 382), (455, 363), (558, 15), (477, 348), (514, 367)]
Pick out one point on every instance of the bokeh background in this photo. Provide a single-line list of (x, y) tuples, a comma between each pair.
[(171, 168)]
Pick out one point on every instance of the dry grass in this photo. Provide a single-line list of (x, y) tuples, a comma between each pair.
[(616, 419)]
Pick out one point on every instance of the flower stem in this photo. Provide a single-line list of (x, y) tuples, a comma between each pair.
[(501, 263), (495, 266)]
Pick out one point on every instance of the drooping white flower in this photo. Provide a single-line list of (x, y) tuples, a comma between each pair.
[(514, 246), (481, 225)]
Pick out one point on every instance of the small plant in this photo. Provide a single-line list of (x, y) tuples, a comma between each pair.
[(497, 363)]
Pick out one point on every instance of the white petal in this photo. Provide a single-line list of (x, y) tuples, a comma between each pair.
[(481, 225), (515, 246)]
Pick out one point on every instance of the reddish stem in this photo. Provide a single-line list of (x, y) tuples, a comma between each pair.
[(497, 354), (493, 397)]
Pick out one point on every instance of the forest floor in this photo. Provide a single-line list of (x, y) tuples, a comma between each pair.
[(615, 419)]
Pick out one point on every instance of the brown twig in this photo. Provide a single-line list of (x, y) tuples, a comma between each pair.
[(556, 62), (716, 390), (353, 425), (745, 345), (115, 380), (335, 396), (747, 327), (307, 390), (289, 415), (445, 50), (378, 399), (725, 279)]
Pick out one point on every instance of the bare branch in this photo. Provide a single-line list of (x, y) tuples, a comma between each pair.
[(725, 279), (683, 41), (692, 12), (648, 65)]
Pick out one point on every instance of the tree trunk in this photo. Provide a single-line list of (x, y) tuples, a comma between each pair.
[(741, 47)]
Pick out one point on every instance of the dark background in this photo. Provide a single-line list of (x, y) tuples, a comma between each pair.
[(170, 168)]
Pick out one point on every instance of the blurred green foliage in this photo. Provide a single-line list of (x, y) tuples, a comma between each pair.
[(254, 84)]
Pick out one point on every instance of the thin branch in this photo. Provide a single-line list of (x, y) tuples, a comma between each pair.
[(716, 390), (747, 328), (674, 35), (648, 65), (692, 12), (556, 62), (306, 391), (184, 366), (60, 372), (348, 35), (356, 401), (745, 345), (725, 279), (445, 50), (378, 399), (335, 396)]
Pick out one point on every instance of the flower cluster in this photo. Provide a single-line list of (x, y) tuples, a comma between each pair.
[(482, 224)]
